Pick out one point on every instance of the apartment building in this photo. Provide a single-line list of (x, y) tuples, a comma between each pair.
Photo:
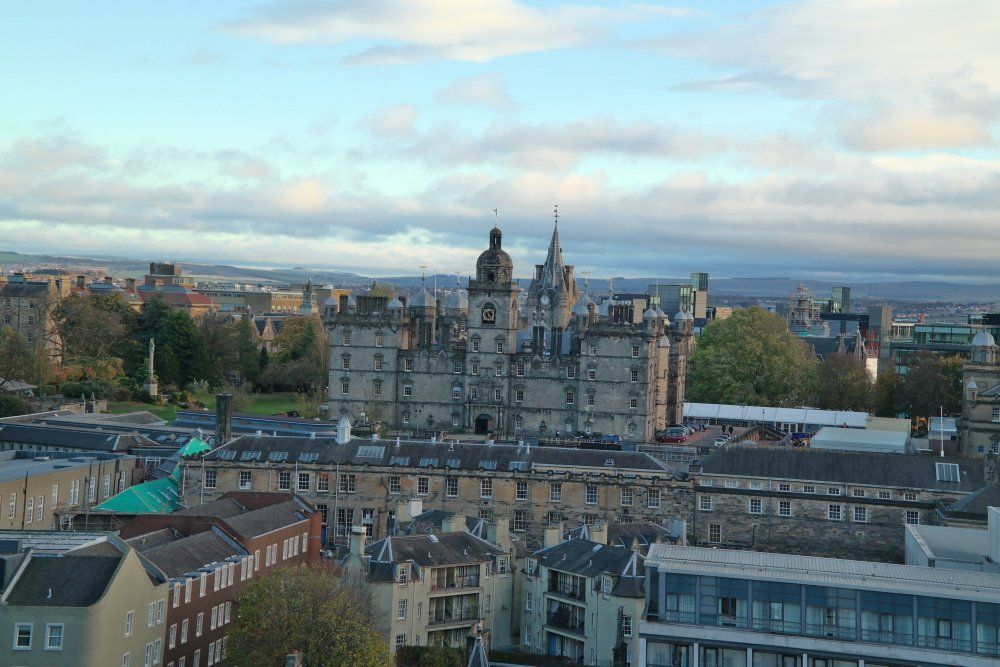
[(209, 553), (582, 599), (719, 607), (36, 487), (79, 599)]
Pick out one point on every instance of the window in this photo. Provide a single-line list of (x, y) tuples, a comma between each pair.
[(407, 390), (348, 483), (456, 367), (284, 481), (591, 373), (475, 344), (858, 493), (400, 641), (159, 611), (520, 520), (633, 375), (715, 532), (995, 415), (486, 488), (497, 395), (860, 515), (345, 362), (635, 351), (126, 659), (756, 506), (499, 368), (627, 496), (346, 338), (151, 615), (304, 483), (522, 490), (705, 503), (885, 495), (378, 340), (633, 402), (592, 349), (246, 479), (345, 387), (403, 574), (519, 369), (401, 610), (808, 488), (407, 364), (555, 492), (518, 421), (591, 494), (451, 487), (199, 624), (784, 508), (184, 631), (570, 398), (172, 637), (653, 499), (784, 487), (626, 626), (833, 491), (834, 512), (500, 347), (909, 495), (591, 397), (913, 517), (606, 585), (393, 483), (29, 510), (423, 485), (474, 368), (91, 489), (571, 372), (732, 483), (129, 622), (22, 636), (529, 601), (12, 506), (107, 489), (378, 362), (456, 393), (518, 395)]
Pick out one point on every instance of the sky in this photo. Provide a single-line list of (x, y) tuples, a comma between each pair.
[(811, 139)]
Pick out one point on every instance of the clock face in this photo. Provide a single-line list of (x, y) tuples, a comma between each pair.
[(489, 315), (545, 299)]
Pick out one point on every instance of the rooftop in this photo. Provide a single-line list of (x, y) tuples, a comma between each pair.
[(435, 550), (911, 471), (808, 416), (16, 465), (178, 554), (825, 572)]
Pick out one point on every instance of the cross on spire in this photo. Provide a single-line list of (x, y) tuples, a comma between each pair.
[(496, 218), (556, 215)]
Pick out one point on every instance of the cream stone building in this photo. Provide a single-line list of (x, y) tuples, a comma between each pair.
[(979, 425), (488, 361)]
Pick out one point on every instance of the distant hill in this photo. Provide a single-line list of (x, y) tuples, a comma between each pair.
[(770, 288)]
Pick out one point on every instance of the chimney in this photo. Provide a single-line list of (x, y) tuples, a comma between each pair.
[(677, 527), (499, 534), (81, 282), (358, 541), (452, 524), (344, 430), (599, 533), (553, 536), (223, 418), (993, 533), (415, 507), (108, 280), (130, 284)]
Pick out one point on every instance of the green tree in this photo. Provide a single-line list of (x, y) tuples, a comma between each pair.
[(885, 396), (751, 358), (300, 363), (18, 360), (843, 383), (932, 383), (93, 327), (11, 406), (313, 609)]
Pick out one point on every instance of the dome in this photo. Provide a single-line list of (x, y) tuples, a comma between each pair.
[(650, 314), (494, 264), (422, 299), (395, 304), (582, 305), (683, 315), (983, 339), (457, 300), (604, 310), (352, 300), (330, 302), (972, 384)]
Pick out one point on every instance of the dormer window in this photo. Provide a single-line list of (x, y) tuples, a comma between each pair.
[(606, 585), (402, 574)]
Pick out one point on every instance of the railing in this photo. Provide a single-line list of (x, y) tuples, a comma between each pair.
[(470, 614), (785, 627), (566, 622), (827, 630), (886, 637), (569, 590), (945, 643), (679, 616), (458, 582)]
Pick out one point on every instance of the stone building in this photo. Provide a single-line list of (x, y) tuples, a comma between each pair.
[(27, 307), (481, 361), (822, 503), (362, 482), (979, 425)]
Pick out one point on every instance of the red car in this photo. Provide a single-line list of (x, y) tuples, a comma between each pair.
[(677, 434)]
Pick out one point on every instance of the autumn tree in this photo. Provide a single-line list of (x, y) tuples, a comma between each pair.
[(932, 383), (313, 609), (93, 327), (300, 360), (751, 358), (843, 383), (18, 360), (885, 394)]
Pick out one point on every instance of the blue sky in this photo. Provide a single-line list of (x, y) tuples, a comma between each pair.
[(812, 139)]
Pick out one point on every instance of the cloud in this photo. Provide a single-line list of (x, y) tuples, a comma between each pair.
[(918, 62), (394, 122), (481, 90), (406, 31)]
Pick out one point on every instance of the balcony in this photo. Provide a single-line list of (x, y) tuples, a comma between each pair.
[(461, 617), (455, 584), (567, 590), (560, 620)]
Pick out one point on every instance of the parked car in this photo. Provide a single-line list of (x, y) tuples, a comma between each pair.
[(612, 439), (720, 441), (672, 434)]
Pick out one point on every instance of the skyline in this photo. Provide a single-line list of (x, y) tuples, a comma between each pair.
[(794, 139)]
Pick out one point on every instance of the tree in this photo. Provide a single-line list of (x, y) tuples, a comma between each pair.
[(843, 383), (751, 358), (932, 383), (300, 363), (11, 406), (885, 396), (18, 360), (92, 327), (313, 609)]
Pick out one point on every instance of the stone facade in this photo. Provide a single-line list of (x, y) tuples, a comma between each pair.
[(979, 425), (481, 362)]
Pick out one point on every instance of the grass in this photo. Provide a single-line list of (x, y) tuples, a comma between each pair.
[(167, 411), (266, 404)]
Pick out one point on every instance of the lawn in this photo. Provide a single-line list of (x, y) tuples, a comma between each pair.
[(266, 404), (166, 411)]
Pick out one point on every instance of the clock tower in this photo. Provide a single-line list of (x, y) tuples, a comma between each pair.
[(550, 301)]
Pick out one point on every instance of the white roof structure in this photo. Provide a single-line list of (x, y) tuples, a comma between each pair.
[(886, 577), (948, 427), (768, 415), (860, 440)]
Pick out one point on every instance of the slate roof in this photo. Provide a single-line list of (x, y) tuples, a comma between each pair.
[(25, 289), (586, 558), (188, 553), (72, 580), (266, 519), (644, 533), (911, 471), (71, 437), (438, 550), (431, 521), (20, 464), (441, 455), (977, 503), (222, 508)]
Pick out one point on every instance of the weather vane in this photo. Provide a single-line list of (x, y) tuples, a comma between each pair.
[(556, 215), (496, 218), (423, 273)]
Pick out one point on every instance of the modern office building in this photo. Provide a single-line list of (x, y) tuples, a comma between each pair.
[(722, 608)]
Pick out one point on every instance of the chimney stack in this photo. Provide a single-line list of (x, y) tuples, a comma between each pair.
[(452, 524), (223, 418), (108, 280), (344, 430), (130, 284), (81, 282), (358, 541), (553, 536), (599, 533)]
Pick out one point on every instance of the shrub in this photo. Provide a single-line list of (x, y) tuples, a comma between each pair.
[(429, 656)]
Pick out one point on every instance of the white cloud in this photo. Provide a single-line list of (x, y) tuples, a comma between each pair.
[(481, 90), (412, 30), (394, 122)]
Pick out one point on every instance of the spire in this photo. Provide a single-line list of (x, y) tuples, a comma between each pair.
[(554, 270)]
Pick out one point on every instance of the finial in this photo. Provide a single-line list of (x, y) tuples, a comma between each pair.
[(556, 215), (586, 281), (423, 273), (496, 218)]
